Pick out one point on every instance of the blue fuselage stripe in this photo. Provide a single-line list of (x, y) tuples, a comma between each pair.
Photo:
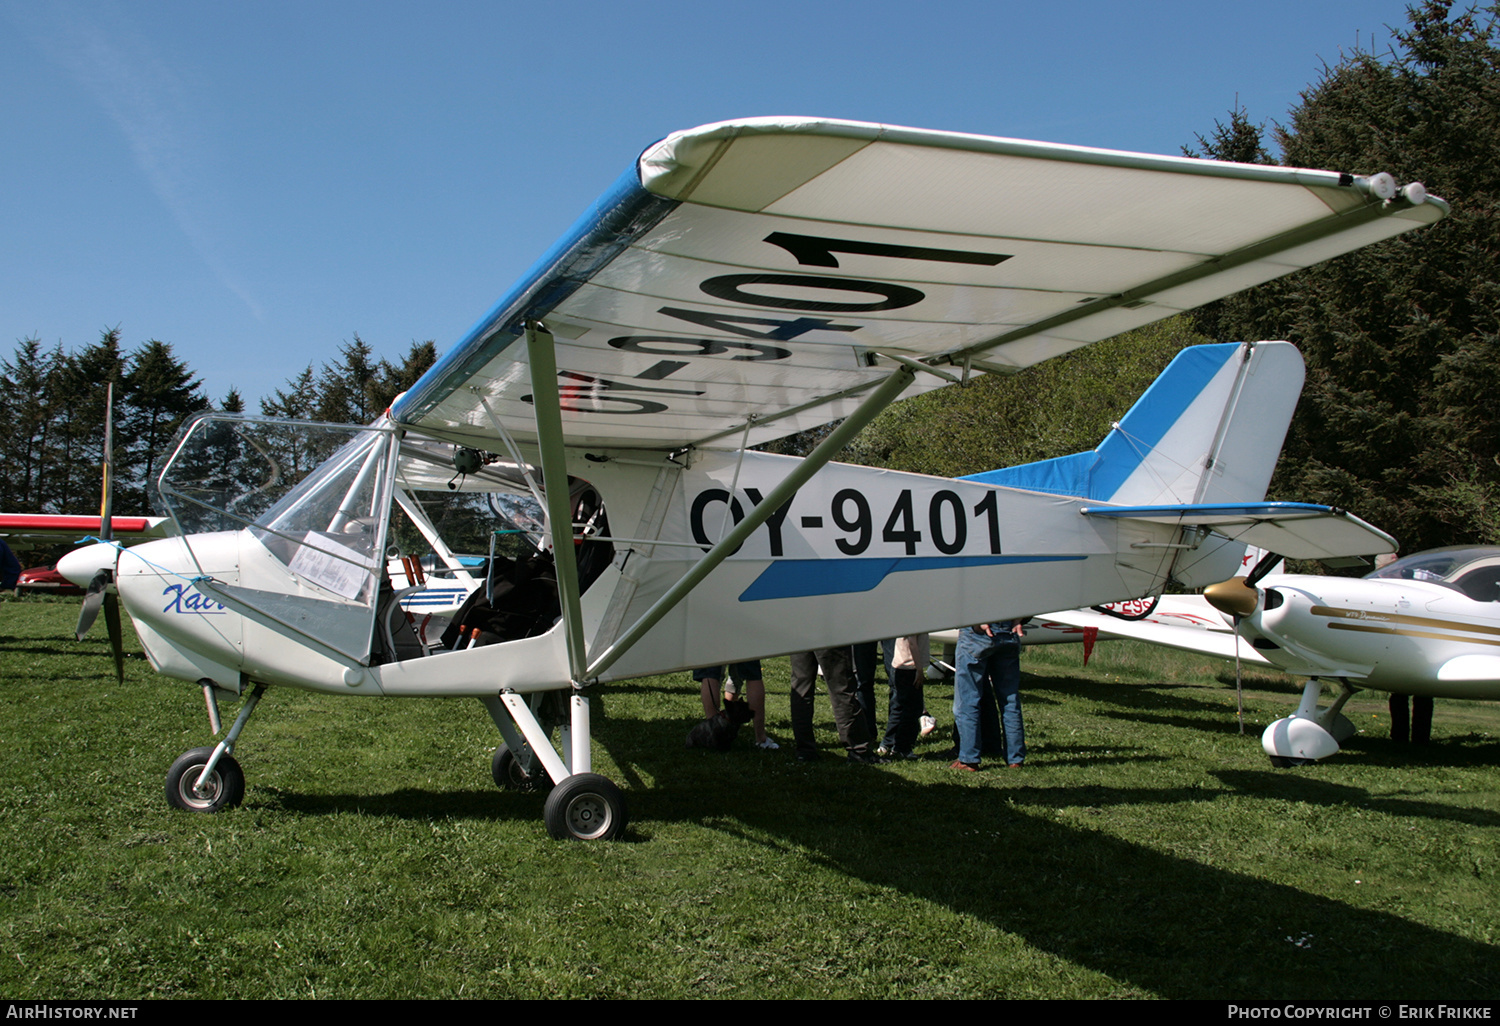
[(805, 578)]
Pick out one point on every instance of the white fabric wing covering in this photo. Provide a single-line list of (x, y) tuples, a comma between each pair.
[(761, 268)]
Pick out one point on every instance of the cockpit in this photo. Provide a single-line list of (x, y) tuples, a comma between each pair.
[(1471, 570), (368, 517)]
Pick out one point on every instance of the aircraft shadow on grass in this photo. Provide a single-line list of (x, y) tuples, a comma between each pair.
[(1155, 922), (1161, 924)]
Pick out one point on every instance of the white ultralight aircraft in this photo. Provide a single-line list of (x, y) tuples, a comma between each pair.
[(740, 282)]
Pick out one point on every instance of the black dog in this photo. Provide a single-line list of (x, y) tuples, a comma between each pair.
[(718, 733)]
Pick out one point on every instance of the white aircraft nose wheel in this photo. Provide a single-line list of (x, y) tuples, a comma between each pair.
[(510, 775), (585, 807), (224, 788)]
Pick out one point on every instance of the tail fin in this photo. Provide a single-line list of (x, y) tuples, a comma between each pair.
[(1208, 430)]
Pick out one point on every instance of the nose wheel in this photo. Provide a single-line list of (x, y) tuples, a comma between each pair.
[(224, 788)]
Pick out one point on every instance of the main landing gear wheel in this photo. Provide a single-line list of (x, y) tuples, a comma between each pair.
[(224, 788), (510, 775), (585, 807)]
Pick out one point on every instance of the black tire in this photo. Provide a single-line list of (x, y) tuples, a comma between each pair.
[(586, 807), (226, 786), (510, 775)]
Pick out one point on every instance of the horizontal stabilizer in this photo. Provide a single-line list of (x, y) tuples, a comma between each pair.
[(1296, 530)]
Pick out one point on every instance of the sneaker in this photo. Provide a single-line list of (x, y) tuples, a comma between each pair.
[(928, 725), (767, 745), (967, 767), (866, 759)]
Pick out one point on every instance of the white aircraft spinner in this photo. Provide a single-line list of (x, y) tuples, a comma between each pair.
[(741, 282)]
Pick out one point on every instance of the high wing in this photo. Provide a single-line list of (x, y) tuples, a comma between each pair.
[(59, 527), (750, 279)]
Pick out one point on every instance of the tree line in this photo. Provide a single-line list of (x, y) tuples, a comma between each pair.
[(53, 403)]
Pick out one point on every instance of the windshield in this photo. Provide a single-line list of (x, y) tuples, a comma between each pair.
[(330, 528)]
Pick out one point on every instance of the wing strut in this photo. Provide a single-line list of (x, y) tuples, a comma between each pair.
[(887, 392), (547, 409)]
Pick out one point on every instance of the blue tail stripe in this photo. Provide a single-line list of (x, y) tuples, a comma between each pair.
[(1099, 474), (804, 578)]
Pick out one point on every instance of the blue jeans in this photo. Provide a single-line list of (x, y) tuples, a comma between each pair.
[(988, 675)]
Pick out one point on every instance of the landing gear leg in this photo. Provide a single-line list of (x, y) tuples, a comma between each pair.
[(582, 805), (210, 779), (1310, 733)]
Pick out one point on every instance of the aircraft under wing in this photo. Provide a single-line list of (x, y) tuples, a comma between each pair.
[(745, 280), (1203, 640), (1295, 530), (59, 527)]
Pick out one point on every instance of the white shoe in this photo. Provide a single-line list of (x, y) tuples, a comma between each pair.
[(767, 745)]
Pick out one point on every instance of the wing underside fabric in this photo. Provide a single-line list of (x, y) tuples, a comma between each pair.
[(748, 280)]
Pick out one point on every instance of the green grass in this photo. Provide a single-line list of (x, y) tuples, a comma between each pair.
[(1148, 849)]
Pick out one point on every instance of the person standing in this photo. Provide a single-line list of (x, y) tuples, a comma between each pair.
[(908, 664), (838, 673), (10, 568), (988, 675)]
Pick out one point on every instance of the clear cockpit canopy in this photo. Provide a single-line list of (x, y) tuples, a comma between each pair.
[(1473, 570), (316, 495), (319, 496)]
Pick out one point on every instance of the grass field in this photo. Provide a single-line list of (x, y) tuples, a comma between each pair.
[(1147, 849)]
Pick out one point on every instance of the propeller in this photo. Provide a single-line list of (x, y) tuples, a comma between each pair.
[(101, 594), (1238, 598)]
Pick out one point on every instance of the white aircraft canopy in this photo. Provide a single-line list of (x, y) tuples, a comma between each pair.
[(750, 279)]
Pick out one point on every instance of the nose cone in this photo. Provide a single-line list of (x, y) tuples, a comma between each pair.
[(1232, 597), (81, 565)]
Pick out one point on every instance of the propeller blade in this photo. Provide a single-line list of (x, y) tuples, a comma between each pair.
[(107, 499), (116, 639), (98, 590)]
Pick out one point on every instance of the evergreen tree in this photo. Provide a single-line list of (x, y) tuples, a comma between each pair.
[(346, 389), (1398, 419), (1239, 141), (159, 394), (392, 380), (80, 395), (28, 407), (1056, 408)]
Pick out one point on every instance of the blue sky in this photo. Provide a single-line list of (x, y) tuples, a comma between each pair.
[(254, 183)]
